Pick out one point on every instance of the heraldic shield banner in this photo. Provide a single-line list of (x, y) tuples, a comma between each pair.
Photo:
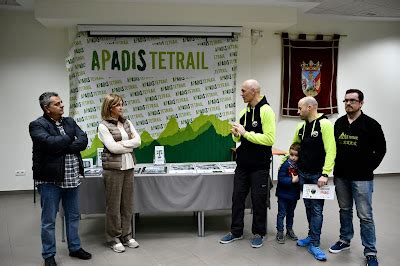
[(309, 69)]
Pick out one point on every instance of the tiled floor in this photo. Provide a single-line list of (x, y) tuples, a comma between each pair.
[(172, 239)]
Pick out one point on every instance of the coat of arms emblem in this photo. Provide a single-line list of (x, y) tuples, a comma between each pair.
[(311, 78)]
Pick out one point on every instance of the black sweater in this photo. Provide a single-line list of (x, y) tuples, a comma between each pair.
[(361, 147)]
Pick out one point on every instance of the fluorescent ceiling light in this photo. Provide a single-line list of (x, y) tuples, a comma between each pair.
[(128, 30)]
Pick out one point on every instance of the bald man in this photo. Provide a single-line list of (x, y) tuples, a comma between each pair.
[(316, 161), (256, 133)]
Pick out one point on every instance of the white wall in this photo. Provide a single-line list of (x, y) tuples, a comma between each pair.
[(32, 61), (368, 60)]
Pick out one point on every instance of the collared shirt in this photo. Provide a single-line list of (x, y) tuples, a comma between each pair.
[(71, 178)]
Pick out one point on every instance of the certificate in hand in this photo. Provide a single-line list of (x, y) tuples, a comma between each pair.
[(311, 191)]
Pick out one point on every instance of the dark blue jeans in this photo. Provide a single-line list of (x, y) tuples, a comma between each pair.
[(50, 196), (360, 192), (314, 209), (286, 209)]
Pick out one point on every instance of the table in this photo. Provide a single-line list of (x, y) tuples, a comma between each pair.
[(166, 193)]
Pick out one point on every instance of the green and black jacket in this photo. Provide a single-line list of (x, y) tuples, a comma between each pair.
[(255, 150), (318, 147)]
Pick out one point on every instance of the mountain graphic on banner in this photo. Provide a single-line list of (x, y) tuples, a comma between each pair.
[(206, 139)]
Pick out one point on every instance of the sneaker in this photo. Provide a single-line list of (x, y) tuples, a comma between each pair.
[(372, 260), (291, 234), (118, 247), (317, 253), (228, 238), (257, 241), (280, 238), (81, 254), (304, 242), (131, 243), (50, 261), (338, 247)]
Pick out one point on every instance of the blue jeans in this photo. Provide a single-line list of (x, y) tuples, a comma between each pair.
[(314, 209), (50, 196), (360, 192), (286, 208)]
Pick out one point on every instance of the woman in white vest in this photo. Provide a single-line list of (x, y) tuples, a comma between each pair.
[(119, 138)]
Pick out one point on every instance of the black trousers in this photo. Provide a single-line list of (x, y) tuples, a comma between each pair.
[(257, 181)]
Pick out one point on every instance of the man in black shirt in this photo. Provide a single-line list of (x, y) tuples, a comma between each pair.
[(361, 147)]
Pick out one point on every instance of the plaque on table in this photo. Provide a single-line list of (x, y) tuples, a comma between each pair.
[(208, 168), (228, 167), (154, 169), (182, 168), (95, 171)]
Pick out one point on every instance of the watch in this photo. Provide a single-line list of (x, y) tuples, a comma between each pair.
[(324, 175)]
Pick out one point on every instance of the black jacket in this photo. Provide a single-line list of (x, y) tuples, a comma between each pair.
[(360, 146), (50, 147)]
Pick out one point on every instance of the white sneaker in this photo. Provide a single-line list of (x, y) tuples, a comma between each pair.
[(118, 247), (131, 243)]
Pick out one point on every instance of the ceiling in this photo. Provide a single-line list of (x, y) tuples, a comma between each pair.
[(365, 9)]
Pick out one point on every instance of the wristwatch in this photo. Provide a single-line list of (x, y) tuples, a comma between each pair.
[(324, 175)]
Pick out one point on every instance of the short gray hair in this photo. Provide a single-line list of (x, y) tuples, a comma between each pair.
[(44, 99)]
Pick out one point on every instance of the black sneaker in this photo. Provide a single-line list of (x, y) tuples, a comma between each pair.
[(372, 260), (280, 238), (339, 247), (81, 254), (291, 234), (50, 261)]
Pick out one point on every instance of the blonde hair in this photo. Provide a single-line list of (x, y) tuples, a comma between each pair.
[(110, 100)]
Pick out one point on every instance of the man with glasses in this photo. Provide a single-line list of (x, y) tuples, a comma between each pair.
[(361, 147)]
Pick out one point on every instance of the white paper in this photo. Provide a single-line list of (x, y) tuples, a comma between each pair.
[(311, 191), (184, 168), (159, 156), (99, 153), (208, 168)]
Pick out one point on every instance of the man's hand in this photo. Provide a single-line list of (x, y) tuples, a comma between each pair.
[(235, 132), (322, 181), (239, 128)]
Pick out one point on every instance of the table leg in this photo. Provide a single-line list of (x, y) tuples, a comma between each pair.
[(200, 223)]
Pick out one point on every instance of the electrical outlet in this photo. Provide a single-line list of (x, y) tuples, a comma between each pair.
[(20, 172)]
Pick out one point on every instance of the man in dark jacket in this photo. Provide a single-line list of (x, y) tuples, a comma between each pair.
[(256, 134), (361, 147), (57, 166)]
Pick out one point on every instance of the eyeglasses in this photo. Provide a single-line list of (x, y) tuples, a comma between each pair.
[(351, 101)]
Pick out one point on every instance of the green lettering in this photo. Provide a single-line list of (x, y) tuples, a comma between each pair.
[(105, 56), (170, 59), (126, 60), (161, 60), (190, 61), (95, 61), (115, 61), (153, 59), (203, 66), (179, 60)]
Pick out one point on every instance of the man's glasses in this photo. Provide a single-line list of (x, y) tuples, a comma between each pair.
[(351, 101)]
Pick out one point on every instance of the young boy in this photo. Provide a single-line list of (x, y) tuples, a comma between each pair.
[(288, 192)]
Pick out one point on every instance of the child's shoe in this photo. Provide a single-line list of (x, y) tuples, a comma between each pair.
[(291, 234), (280, 238)]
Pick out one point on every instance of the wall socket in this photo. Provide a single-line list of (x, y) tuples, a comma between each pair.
[(20, 172)]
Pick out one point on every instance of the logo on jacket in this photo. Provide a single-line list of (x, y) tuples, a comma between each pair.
[(254, 124), (314, 134)]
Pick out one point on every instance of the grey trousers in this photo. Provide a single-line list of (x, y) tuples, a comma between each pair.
[(119, 204)]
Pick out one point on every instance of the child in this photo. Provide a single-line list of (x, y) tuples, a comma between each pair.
[(288, 192)]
